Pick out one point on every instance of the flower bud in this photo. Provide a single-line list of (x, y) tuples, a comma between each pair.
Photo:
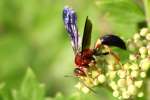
[(143, 56), (136, 36), (110, 59), (134, 74), (125, 95), (116, 93), (123, 89), (140, 94), (139, 43), (149, 51), (79, 85), (132, 57), (121, 73), (121, 82), (120, 98), (138, 84), (145, 64), (132, 90), (143, 74), (148, 36), (144, 42), (126, 66), (95, 82), (88, 81), (94, 74), (143, 32), (143, 50), (113, 85), (148, 45), (132, 46), (134, 66), (85, 90), (129, 81), (111, 67), (111, 75), (101, 78)]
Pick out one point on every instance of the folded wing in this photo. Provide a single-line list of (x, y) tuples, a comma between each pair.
[(70, 21), (86, 41)]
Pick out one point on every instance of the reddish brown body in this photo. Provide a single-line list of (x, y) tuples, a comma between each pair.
[(84, 58), (82, 61)]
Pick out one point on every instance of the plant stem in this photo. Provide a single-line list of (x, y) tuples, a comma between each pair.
[(147, 11), (148, 89)]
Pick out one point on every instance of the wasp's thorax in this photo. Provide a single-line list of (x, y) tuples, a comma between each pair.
[(84, 58)]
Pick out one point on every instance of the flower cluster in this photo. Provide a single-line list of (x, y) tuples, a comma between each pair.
[(125, 80)]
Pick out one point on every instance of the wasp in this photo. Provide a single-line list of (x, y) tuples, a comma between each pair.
[(84, 55)]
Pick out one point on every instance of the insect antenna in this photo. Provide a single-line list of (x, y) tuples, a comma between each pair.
[(69, 76)]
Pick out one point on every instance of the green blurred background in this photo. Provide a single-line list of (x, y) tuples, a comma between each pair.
[(32, 34)]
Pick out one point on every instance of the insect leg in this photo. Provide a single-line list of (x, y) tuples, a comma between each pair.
[(117, 59)]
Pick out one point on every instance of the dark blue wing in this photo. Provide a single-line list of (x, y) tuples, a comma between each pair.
[(70, 21)]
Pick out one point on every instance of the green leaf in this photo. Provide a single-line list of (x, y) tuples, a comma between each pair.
[(123, 15), (30, 89)]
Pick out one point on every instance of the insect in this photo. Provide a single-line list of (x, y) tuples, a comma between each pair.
[(84, 55)]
